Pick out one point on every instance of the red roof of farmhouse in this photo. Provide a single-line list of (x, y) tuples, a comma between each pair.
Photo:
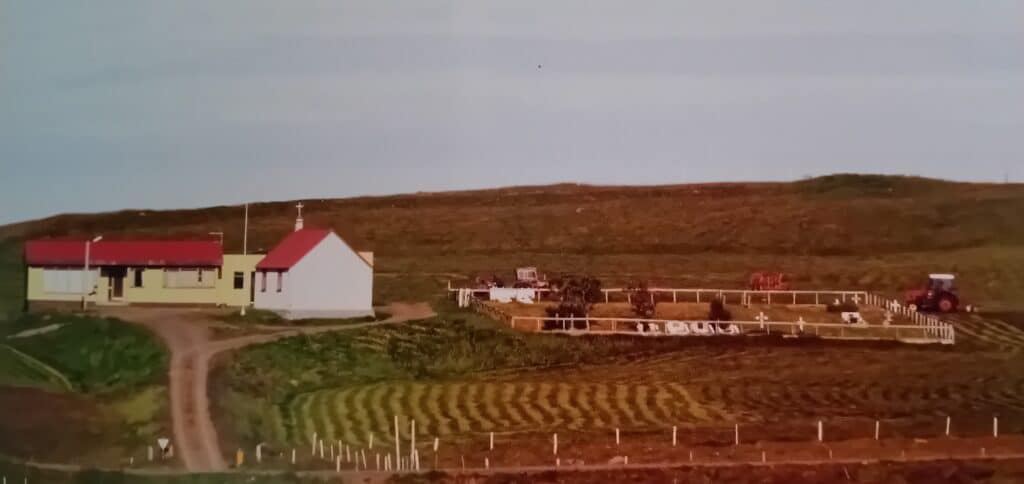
[(176, 253), (292, 249)]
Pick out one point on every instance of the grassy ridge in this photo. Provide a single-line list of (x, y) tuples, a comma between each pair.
[(842, 214)]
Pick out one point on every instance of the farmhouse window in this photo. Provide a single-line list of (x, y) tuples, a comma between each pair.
[(67, 280), (280, 281), (239, 279), (263, 281), (186, 277), (137, 282)]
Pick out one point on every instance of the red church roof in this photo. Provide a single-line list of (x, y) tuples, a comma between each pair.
[(292, 249), (177, 253)]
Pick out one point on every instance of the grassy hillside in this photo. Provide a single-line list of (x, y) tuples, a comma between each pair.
[(905, 225)]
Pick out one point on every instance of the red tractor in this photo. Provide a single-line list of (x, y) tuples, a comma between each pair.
[(938, 294)]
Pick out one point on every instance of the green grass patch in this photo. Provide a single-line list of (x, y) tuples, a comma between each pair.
[(97, 355), (12, 280), (19, 369)]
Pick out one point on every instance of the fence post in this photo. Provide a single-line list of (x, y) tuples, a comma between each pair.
[(948, 418), (821, 432), (673, 436), (877, 426), (736, 434), (995, 426)]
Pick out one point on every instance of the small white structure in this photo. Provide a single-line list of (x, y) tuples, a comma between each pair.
[(313, 273), (852, 317), (677, 328), (524, 295)]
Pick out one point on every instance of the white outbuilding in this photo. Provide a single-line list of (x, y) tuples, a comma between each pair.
[(314, 273)]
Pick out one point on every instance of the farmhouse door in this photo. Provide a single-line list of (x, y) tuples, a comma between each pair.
[(115, 281), (117, 287)]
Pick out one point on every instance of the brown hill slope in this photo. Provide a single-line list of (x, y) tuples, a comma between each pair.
[(903, 221), (842, 214)]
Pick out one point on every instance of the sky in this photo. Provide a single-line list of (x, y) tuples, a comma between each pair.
[(110, 104)]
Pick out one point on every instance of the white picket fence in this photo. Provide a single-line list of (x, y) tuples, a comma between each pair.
[(933, 325), (910, 333)]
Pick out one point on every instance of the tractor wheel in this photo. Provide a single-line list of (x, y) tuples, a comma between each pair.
[(947, 305)]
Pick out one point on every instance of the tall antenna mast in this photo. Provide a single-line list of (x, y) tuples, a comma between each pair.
[(245, 232)]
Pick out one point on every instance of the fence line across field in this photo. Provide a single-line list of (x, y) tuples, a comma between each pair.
[(932, 326), (668, 327), (706, 294)]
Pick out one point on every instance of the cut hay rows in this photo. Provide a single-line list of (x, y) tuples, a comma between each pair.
[(459, 408)]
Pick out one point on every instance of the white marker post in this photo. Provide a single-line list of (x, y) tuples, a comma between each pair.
[(293, 456), (736, 436), (616, 436), (877, 428), (948, 424), (555, 445), (412, 439), (314, 445), (821, 432), (673, 436), (995, 426), (398, 442), (492, 441)]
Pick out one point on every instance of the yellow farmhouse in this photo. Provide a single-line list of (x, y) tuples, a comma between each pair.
[(137, 272)]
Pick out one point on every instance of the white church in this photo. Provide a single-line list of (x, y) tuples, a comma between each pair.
[(314, 273)]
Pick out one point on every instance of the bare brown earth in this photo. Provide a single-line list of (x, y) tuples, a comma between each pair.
[(189, 336)]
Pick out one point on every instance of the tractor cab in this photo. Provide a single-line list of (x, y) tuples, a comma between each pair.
[(938, 294), (941, 282)]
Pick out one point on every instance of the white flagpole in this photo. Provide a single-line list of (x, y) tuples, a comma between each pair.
[(245, 248)]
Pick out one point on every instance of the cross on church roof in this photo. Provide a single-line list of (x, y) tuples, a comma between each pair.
[(299, 206)]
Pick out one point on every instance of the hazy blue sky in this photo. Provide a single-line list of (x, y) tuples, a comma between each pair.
[(115, 104)]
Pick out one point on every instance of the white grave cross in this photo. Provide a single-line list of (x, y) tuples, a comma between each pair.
[(761, 318)]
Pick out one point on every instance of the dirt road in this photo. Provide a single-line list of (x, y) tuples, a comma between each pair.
[(189, 337)]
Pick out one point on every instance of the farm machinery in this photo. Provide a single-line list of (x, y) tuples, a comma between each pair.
[(769, 281), (939, 294), (526, 278)]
